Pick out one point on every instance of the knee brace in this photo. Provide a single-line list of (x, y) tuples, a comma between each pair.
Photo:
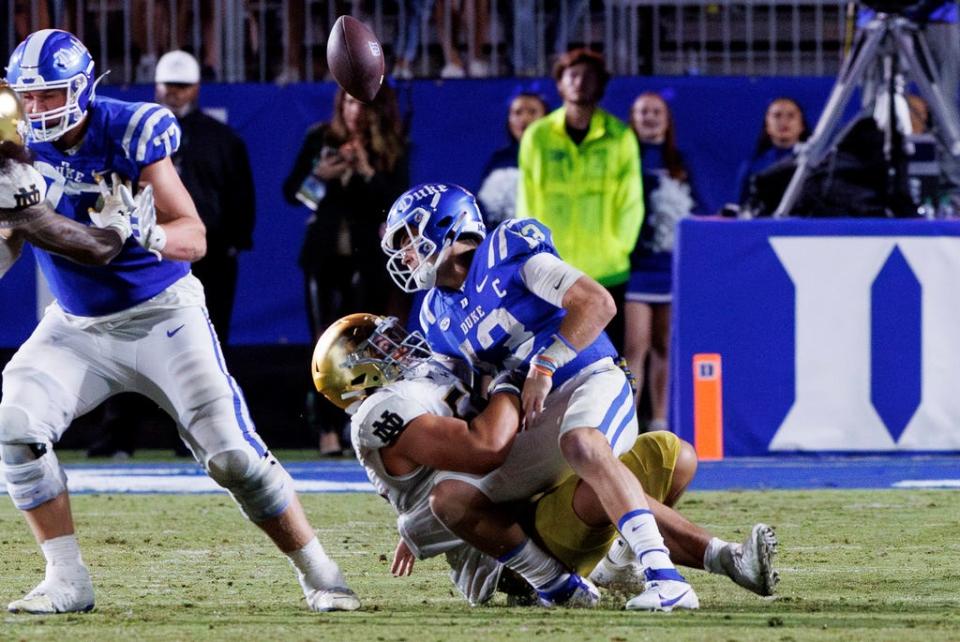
[(33, 474), (31, 470), (260, 485)]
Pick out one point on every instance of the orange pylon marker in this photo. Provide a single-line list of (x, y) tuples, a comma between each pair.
[(708, 407)]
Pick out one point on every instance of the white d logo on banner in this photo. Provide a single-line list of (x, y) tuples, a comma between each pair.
[(833, 278)]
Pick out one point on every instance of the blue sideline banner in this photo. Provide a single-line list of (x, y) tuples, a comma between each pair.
[(834, 335)]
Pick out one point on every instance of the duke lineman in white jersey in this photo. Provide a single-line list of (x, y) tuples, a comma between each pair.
[(137, 324), (408, 424)]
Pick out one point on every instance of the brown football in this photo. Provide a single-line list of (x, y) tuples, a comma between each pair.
[(355, 58)]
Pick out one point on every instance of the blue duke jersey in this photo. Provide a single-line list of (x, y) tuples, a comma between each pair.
[(496, 322), (121, 137)]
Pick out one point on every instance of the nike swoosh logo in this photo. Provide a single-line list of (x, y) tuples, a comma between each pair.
[(664, 602), (559, 283), (170, 333), (482, 283)]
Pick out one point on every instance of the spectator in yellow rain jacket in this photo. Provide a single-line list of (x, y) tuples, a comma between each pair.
[(580, 175)]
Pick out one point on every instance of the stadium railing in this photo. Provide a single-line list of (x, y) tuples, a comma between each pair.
[(284, 40)]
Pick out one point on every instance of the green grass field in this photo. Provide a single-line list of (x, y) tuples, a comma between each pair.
[(855, 565)]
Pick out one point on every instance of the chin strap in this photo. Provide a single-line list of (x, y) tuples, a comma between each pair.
[(425, 275)]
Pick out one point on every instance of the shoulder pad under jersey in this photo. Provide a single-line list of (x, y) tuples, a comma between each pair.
[(383, 416), (515, 240), (147, 132)]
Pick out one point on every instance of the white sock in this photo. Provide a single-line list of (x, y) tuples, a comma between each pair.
[(314, 569), (62, 552), (711, 557), (620, 553), (535, 566), (639, 529)]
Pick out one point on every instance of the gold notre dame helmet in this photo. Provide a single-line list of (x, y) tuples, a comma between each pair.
[(12, 121), (361, 352)]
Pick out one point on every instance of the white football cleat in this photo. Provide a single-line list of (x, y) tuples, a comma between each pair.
[(627, 577), (665, 595), (58, 594), (751, 564), (575, 593), (337, 598)]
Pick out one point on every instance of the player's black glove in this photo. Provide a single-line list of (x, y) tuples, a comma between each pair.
[(507, 381)]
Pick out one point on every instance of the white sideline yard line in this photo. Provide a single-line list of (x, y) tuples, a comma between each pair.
[(928, 483), (314, 477), (114, 481)]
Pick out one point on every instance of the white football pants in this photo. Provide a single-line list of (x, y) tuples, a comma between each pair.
[(164, 348)]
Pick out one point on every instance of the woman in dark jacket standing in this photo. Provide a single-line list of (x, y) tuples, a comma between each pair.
[(348, 173)]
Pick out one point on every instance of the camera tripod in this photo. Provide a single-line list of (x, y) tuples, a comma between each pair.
[(896, 43)]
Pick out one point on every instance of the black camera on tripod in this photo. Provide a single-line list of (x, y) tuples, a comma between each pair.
[(894, 45), (914, 10)]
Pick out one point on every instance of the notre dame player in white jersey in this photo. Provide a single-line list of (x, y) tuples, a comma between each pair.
[(136, 323), (407, 424), (24, 216)]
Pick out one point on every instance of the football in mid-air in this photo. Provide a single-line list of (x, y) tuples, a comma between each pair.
[(355, 58)]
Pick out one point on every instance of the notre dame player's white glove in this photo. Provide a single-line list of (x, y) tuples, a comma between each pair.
[(22, 191)]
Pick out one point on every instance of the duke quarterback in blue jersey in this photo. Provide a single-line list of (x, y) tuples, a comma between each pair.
[(138, 324), (507, 301), (413, 416)]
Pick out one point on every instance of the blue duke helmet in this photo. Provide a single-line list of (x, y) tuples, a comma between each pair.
[(426, 221), (53, 59)]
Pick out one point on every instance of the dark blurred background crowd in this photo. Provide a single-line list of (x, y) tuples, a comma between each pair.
[(284, 40), (613, 203)]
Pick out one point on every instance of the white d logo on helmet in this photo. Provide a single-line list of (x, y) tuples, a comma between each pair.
[(66, 58)]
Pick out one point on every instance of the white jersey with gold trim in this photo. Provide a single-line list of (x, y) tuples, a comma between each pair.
[(380, 420)]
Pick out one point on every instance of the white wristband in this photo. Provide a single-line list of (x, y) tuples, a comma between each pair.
[(157, 240), (561, 352)]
